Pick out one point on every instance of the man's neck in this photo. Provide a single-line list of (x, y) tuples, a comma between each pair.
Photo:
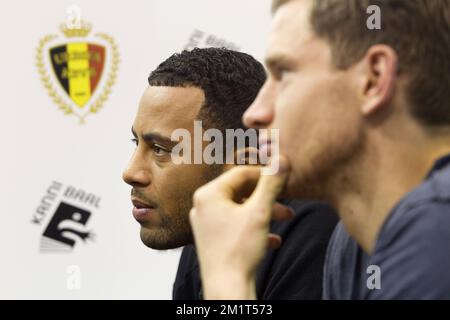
[(379, 181)]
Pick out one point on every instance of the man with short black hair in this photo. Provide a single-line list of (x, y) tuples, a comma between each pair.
[(215, 86)]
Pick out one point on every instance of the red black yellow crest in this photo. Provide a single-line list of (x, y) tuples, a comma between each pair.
[(78, 74)]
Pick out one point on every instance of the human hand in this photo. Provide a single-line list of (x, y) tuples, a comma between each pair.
[(230, 220)]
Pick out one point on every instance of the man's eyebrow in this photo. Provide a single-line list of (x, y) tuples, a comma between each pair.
[(153, 137), (276, 60), (156, 137)]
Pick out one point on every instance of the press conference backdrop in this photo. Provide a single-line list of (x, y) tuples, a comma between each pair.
[(66, 229)]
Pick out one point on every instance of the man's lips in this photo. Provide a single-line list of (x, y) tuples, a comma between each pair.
[(142, 210)]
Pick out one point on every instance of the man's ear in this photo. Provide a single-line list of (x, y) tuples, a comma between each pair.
[(245, 156), (380, 66)]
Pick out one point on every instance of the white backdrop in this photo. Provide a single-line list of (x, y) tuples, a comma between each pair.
[(45, 153)]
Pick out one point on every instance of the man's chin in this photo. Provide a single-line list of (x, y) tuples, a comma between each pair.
[(160, 240), (301, 190)]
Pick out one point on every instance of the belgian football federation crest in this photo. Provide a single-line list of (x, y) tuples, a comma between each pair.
[(78, 70)]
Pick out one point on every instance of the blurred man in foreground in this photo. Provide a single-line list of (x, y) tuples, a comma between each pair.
[(365, 119)]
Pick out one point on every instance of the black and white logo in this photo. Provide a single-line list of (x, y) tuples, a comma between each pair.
[(69, 210), (67, 225)]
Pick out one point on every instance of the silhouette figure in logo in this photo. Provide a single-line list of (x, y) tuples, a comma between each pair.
[(67, 224)]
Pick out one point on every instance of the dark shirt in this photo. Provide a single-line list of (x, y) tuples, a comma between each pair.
[(293, 271), (412, 249)]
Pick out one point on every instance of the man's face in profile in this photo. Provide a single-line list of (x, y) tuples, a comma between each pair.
[(161, 190), (313, 104)]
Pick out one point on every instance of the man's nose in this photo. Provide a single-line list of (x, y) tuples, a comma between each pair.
[(260, 114), (137, 174)]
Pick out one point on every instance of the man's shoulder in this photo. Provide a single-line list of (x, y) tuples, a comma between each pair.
[(422, 217), (307, 215), (422, 210), (294, 271), (436, 188), (312, 226), (413, 256), (187, 283), (412, 247)]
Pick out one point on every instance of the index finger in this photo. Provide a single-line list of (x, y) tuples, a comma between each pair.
[(238, 182), (270, 186)]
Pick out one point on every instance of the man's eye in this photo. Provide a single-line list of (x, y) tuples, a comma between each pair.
[(159, 151), (280, 73), (135, 141)]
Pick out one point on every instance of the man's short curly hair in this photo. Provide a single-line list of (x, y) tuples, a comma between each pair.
[(229, 79)]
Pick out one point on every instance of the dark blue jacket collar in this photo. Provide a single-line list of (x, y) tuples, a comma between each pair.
[(439, 164)]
